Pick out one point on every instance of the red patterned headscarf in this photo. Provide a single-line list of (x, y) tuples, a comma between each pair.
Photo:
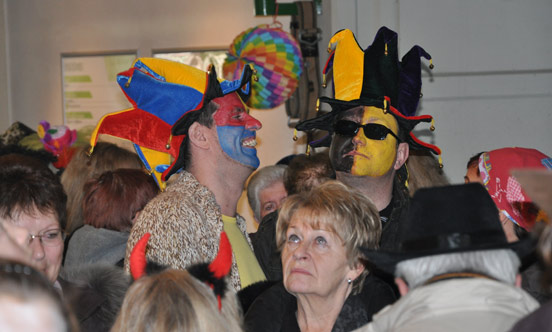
[(511, 200)]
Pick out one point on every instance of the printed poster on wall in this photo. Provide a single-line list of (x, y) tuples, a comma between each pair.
[(90, 88)]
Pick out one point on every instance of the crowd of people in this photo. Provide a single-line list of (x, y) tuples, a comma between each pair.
[(363, 233)]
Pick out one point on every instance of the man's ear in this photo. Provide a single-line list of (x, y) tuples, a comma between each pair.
[(197, 135), (518, 280), (402, 154), (402, 285)]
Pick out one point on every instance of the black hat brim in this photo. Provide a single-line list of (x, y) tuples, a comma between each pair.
[(387, 260)]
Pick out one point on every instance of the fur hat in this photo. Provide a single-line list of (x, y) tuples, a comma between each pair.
[(448, 219)]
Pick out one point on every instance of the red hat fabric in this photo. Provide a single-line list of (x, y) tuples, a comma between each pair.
[(496, 166)]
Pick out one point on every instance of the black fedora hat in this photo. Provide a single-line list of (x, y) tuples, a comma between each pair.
[(448, 219)]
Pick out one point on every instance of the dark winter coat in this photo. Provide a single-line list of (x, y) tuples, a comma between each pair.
[(540, 320), (275, 309), (264, 246), (390, 228), (95, 294)]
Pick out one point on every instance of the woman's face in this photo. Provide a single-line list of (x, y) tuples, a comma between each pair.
[(314, 261), (47, 258)]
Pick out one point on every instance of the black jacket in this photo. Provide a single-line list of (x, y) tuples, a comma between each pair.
[(95, 294), (264, 246), (390, 229), (274, 310)]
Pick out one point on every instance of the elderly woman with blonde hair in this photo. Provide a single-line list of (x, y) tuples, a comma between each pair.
[(326, 285)]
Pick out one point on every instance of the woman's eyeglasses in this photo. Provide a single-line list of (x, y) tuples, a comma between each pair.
[(373, 131), (50, 238)]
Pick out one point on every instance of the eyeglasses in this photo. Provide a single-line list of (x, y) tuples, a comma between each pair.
[(50, 238), (373, 131)]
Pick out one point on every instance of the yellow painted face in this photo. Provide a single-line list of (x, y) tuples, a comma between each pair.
[(360, 155)]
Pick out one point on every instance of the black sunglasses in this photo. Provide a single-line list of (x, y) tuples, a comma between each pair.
[(371, 130)]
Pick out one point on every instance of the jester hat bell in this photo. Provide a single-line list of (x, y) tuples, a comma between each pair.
[(166, 97), (373, 77)]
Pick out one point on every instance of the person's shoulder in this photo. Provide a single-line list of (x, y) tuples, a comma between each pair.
[(269, 220), (249, 294), (95, 292), (377, 288), (267, 228), (165, 205), (97, 277), (539, 320), (275, 297), (269, 309)]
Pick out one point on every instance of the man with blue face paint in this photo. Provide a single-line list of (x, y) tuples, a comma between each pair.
[(215, 157), (236, 130)]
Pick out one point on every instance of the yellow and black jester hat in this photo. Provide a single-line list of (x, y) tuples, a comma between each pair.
[(373, 77)]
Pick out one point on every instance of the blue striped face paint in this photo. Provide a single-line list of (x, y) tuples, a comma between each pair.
[(236, 130)]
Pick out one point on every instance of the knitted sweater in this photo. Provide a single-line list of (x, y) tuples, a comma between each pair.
[(185, 223)]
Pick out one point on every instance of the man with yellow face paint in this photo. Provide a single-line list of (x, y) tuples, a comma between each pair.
[(353, 152), (375, 99)]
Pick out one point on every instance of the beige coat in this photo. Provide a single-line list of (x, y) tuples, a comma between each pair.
[(185, 223), (474, 304)]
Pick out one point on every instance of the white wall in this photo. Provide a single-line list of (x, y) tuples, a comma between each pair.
[(41, 30)]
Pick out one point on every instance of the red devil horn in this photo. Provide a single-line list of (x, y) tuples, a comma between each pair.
[(221, 265), (137, 259)]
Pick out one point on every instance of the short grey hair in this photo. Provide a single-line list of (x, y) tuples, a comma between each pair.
[(500, 264), (263, 178)]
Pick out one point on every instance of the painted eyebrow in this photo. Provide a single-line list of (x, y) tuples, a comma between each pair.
[(239, 109), (377, 119)]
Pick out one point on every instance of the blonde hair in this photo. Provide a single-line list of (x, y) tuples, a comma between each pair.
[(343, 210), (173, 300), (106, 157)]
